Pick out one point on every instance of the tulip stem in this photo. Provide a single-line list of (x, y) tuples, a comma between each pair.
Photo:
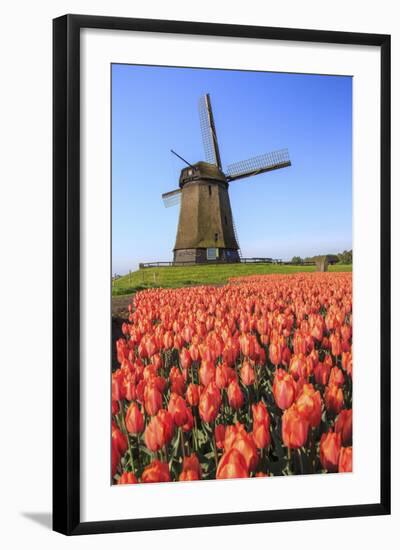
[(194, 431), (214, 444), (125, 431), (182, 442), (289, 454), (138, 448)]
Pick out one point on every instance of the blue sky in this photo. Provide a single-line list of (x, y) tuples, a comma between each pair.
[(302, 210)]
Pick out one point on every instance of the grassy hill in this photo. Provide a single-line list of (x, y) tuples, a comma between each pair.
[(173, 277)]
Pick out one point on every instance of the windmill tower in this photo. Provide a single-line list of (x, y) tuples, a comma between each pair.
[(206, 230)]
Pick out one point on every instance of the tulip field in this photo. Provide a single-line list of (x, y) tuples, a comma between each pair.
[(249, 379)]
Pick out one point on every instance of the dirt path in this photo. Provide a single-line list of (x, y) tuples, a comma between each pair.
[(119, 312)]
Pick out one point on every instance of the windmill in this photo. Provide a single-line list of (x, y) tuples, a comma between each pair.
[(206, 230)]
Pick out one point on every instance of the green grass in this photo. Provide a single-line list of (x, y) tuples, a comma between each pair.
[(173, 277)]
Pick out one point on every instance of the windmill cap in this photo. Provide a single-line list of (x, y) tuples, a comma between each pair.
[(201, 170)]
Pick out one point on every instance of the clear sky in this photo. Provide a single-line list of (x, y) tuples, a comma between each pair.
[(302, 210)]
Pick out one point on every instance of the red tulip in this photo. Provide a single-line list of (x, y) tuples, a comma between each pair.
[(298, 366), (260, 414), (261, 436), (207, 372), (321, 373), (275, 354), (336, 345), (152, 400), (284, 389), (159, 431), (156, 472), (336, 376), (220, 435), (237, 438), (232, 465), (247, 374), (334, 398), (345, 459), (191, 470), (127, 478), (134, 420), (115, 457), (329, 450), (119, 441), (309, 405), (235, 395), (294, 428), (185, 358), (192, 395), (344, 425), (177, 380), (209, 403)]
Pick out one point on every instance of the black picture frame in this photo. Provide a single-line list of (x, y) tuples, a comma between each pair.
[(66, 273)]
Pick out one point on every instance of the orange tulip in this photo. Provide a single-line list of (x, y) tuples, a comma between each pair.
[(336, 376), (178, 409), (207, 372), (152, 400), (134, 420), (345, 459), (159, 431), (329, 451), (220, 435), (209, 403), (191, 470), (192, 395), (284, 389), (334, 398), (156, 472), (344, 425), (309, 405), (247, 374), (321, 373), (232, 465), (127, 478), (235, 395), (237, 438), (294, 428)]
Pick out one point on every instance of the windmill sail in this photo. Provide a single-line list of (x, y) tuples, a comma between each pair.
[(172, 198), (208, 131), (258, 165)]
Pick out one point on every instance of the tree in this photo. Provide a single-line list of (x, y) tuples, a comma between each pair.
[(297, 260), (346, 257)]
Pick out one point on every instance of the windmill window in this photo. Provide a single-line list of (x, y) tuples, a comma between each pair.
[(209, 190), (212, 253), (226, 221)]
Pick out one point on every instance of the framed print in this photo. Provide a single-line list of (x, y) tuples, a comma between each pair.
[(226, 360)]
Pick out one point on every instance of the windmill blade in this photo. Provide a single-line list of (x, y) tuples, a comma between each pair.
[(257, 165), (208, 132), (172, 198)]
